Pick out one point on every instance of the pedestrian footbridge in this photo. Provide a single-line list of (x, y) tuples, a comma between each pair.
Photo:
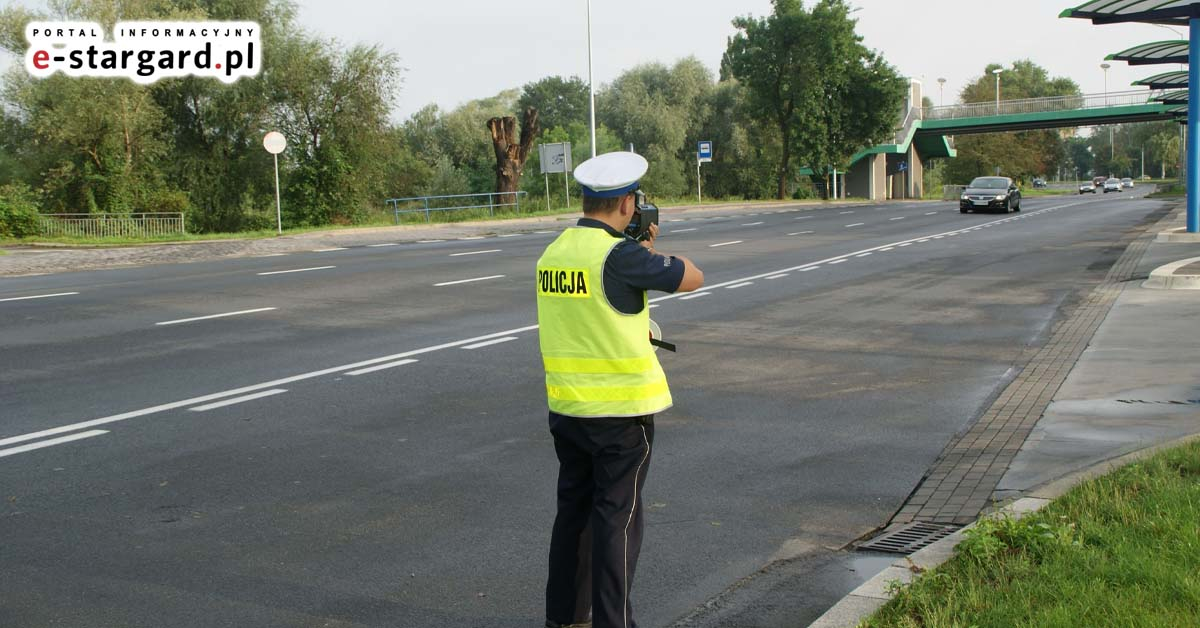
[(894, 170)]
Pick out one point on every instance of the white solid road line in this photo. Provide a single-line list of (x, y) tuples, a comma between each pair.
[(837, 261), (694, 295), (713, 246), (809, 269), (800, 233), (890, 248), (540, 232), (124, 416), (897, 218), (472, 238), (930, 213), (202, 318), (864, 255), (272, 255), (779, 276), (296, 270), (454, 283), (428, 241), (236, 400), (40, 296), (740, 285), (682, 230), (803, 217), (510, 235), (475, 252), (857, 224), (905, 244), (380, 367), (50, 443), (375, 246), (488, 343), (336, 248), (844, 213), (752, 224)]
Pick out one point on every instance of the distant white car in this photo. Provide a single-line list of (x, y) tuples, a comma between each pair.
[(1112, 185), (1086, 187), (1127, 182)]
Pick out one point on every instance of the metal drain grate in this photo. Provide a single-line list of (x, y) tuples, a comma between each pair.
[(909, 537)]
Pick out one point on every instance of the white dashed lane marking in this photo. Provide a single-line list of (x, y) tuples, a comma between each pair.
[(713, 246), (296, 270), (203, 318), (39, 296), (454, 283), (694, 295), (740, 285), (475, 252), (857, 224)]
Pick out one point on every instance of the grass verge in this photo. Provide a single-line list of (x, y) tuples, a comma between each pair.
[(381, 219), (1120, 550), (1037, 192)]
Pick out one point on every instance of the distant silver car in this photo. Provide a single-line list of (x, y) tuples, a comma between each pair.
[(1086, 187), (1112, 185), (1127, 182)]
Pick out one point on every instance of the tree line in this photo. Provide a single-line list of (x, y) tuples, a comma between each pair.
[(797, 93)]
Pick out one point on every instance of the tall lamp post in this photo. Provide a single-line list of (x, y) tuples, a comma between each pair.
[(997, 72), (591, 85), (1111, 149), (941, 92)]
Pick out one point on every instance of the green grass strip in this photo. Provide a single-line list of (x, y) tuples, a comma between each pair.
[(1120, 550)]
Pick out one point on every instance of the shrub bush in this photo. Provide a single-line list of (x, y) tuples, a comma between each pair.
[(18, 211)]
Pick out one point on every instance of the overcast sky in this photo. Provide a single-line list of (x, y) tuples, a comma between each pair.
[(458, 50)]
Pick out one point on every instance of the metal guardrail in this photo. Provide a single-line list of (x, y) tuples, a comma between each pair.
[(429, 204), (110, 225), (952, 192), (1041, 105)]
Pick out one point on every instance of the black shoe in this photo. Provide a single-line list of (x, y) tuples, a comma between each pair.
[(554, 624)]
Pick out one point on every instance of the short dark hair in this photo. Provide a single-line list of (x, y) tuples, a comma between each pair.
[(594, 205)]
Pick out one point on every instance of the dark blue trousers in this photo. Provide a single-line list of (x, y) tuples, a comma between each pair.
[(598, 530)]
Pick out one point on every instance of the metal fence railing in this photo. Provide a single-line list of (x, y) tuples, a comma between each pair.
[(1040, 105), (952, 192), (452, 202), (111, 225)]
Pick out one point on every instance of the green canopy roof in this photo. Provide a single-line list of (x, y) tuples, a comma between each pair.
[(1166, 80), (1154, 52), (1152, 11), (1176, 97)]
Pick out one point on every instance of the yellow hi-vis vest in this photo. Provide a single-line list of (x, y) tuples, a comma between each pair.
[(599, 362)]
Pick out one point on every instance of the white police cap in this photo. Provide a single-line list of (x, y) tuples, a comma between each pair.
[(611, 175)]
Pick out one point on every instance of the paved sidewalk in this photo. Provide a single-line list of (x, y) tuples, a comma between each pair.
[(1131, 382)]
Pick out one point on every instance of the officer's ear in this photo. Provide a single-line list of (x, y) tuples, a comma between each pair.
[(627, 205)]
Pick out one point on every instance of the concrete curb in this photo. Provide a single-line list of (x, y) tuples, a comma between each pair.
[(862, 602), (1164, 277), (1177, 235)]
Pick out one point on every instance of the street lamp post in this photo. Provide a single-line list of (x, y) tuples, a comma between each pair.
[(941, 92), (997, 72), (591, 85), (1111, 149)]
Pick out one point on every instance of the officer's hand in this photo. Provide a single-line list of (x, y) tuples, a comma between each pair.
[(651, 235)]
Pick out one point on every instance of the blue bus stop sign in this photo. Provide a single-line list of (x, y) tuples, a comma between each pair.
[(704, 151)]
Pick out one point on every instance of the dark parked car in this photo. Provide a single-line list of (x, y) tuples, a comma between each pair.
[(1039, 182), (991, 193)]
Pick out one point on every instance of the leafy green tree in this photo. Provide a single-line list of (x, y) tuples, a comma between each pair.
[(659, 110), (560, 102), (809, 73), (1020, 154)]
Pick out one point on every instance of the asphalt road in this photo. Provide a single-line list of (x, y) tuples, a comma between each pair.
[(373, 450)]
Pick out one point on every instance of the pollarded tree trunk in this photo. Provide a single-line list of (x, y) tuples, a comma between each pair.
[(511, 154)]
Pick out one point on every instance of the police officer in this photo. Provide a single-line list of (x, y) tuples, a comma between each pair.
[(604, 385)]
